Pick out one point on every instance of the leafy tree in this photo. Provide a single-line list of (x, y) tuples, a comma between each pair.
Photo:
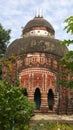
[(15, 109), (0, 68), (4, 40), (67, 60)]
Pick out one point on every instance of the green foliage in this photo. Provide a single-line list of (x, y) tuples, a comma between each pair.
[(15, 109), (52, 126), (43, 125), (69, 26), (16, 81), (9, 63), (0, 68), (4, 39), (67, 60), (67, 42)]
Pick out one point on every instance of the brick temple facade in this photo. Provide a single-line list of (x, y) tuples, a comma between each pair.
[(35, 59)]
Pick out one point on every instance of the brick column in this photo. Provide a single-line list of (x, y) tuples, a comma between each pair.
[(31, 96), (44, 102), (56, 100)]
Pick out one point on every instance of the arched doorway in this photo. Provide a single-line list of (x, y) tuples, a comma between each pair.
[(37, 98), (25, 92), (50, 99)]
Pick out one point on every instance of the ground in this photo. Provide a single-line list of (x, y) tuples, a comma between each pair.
[(51, 118), (40, 116)]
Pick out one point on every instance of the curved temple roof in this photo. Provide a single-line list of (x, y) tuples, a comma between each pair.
[(35, 44), (38, 22)]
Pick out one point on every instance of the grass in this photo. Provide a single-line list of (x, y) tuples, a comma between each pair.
[(43, 125)]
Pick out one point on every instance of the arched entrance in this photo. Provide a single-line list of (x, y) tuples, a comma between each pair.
[(50, 99), (37, 98), (25, 92)]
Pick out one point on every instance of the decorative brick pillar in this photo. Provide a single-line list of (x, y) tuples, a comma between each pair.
[(63, 102), (56, 100), (44, 103), (31, 96)]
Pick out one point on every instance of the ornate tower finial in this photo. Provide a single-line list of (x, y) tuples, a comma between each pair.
[(39, 13)]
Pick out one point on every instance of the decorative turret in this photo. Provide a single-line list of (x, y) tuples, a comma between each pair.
[(38, 27)]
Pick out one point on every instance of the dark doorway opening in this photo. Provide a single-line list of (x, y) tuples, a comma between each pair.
[(50, 99), (25, 92), (37, 98)]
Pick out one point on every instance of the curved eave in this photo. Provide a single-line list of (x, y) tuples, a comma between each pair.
[(35, 44)]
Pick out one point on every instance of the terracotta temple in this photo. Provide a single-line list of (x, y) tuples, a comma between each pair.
[(35, 60)]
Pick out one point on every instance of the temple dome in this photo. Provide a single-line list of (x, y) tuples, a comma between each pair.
[(38, 22), (36, 43)]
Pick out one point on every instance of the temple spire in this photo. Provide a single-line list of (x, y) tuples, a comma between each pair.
[(39, 13)]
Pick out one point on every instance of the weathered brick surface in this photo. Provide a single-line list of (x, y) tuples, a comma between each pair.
[(40, 70)]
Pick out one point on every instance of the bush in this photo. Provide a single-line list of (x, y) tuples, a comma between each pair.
[(15, 109)]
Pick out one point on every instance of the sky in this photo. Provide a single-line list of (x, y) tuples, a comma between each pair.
[(14, 15)]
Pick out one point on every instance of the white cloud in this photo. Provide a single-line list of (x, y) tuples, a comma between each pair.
[(16, 13)]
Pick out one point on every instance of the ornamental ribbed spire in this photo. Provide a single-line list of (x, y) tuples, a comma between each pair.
[(39, 13)]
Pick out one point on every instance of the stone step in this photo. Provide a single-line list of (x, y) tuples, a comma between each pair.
[(51, 112)]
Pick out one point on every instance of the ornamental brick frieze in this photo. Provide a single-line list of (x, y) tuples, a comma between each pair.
[(37, 77), (37, 60)]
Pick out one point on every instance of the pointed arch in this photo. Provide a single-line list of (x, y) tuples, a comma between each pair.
[(25, 92), (50, 99), (37, 98)]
